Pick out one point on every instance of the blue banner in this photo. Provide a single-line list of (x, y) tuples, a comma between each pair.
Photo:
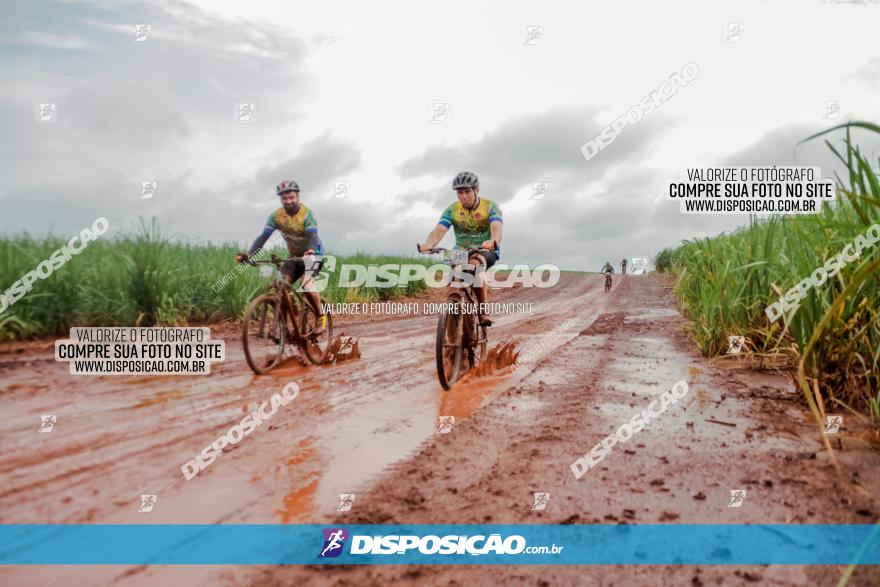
[(274, 544)]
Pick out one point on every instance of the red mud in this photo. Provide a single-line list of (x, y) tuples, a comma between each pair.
[(369, 426)]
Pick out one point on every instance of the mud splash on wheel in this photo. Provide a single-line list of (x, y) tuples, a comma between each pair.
[(499, 357), (343, 348)]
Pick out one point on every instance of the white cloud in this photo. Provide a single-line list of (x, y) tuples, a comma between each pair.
[(345, 92), (51, 40)]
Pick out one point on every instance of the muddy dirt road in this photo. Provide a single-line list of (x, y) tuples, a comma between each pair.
[(369, 428)]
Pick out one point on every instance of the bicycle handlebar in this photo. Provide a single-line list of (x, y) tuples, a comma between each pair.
[(443, 250), (278, 261), (272, 260)]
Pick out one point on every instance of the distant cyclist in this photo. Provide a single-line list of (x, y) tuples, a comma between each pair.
[(608, 269), (300, 230), (623, 266), (477, 224)]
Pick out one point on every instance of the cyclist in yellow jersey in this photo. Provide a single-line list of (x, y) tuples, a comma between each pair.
[(300, 230), (477, 223)]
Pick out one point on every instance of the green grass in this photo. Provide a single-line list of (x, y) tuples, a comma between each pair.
[(725, 282), (146, 279)]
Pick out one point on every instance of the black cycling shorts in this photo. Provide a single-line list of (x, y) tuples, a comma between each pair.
[(293, 269), (489, 256)]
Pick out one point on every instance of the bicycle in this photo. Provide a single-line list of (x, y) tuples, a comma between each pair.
[(607, 282), (457, 327), (282, 317)]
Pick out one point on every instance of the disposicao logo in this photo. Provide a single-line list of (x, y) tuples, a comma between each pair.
[(394, 544), (334, 540)]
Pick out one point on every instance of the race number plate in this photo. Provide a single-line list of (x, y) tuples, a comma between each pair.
[(458, 257)]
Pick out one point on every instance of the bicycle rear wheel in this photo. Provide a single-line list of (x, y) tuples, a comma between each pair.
[(448, 347), (262, 334)]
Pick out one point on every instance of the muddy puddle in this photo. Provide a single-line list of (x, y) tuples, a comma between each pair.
[(354, 442)]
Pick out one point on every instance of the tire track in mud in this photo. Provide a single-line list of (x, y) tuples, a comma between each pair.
[(132, 433), (368, 427), (679, 469), (143, 428)]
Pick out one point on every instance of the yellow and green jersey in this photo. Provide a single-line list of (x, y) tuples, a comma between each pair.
[(300, 231), (471, 227)]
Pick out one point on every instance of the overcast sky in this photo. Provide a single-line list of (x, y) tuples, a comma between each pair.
[(345, 91)]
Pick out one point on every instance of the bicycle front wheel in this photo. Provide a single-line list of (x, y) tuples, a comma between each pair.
[(315, 347), (476, 342), (448, 348), (262, 334)]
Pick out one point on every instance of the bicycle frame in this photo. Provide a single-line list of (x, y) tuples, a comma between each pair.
[(471, 335), (470, 299), (283, 293), (289, 310), (280, 317), (467, 290)]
